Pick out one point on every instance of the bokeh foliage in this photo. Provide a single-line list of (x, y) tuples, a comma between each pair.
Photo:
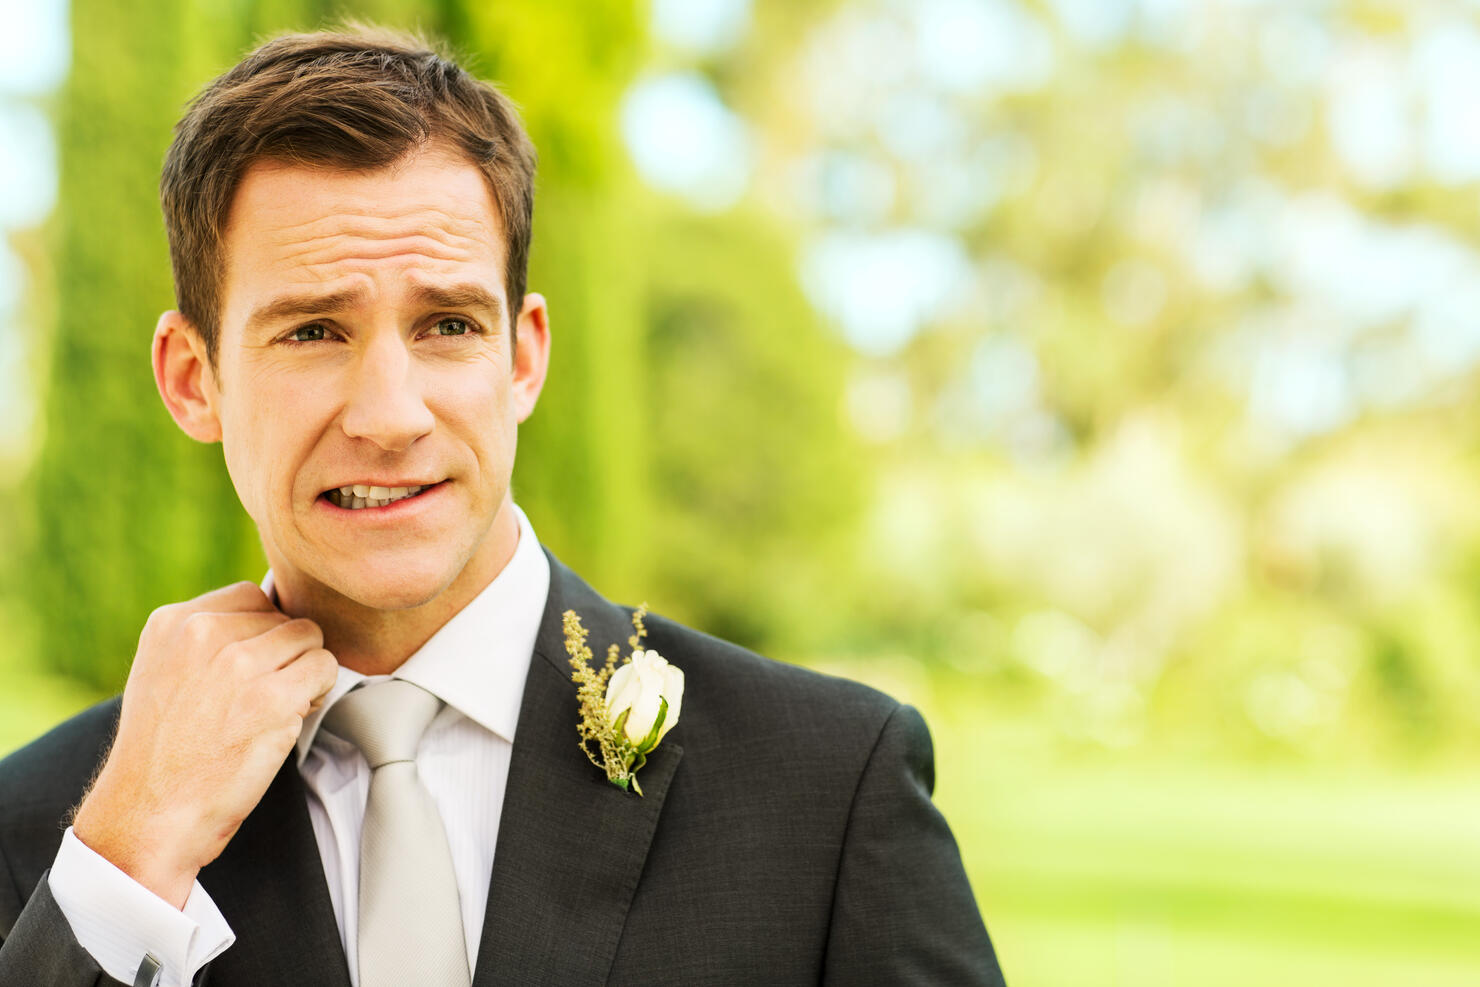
[(169, 526), (1163, 512), (676, 342)]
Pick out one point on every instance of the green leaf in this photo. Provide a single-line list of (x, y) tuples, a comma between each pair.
[(651, 740)]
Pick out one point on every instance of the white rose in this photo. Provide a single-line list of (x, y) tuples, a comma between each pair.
[(650, 692)]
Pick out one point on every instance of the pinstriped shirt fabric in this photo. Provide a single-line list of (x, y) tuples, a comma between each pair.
[(476, 664)]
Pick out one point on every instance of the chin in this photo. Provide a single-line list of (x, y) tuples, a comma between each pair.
[(391, 588)]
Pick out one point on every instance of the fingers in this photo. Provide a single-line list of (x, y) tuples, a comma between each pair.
[(173, 619), (309, 677), (243, 630), (299, 663), (236, 597), (207, 633), (279, 645)]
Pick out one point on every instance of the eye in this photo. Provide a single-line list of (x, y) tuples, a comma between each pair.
[(451, 327), (309, 334)]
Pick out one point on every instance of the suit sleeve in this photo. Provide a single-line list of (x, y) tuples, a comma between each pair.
[(903, 911), (119, 921), (41, 951)]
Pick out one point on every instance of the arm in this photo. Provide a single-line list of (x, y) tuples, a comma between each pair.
[(214, 702), (41, 949), (903, 911), (119, 922), (84, 921)]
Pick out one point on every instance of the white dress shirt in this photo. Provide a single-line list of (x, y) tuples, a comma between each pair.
[(476, 663)]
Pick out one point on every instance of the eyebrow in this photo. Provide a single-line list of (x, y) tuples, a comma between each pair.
[(465, 296), (469, 296), (299, 306)]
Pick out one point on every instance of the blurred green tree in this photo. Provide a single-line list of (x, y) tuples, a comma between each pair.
[(686, 448), (129, 514)]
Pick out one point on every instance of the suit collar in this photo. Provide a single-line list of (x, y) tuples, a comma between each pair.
[(571, 846)]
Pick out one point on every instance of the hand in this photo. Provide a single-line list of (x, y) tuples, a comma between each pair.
[(214, 703)]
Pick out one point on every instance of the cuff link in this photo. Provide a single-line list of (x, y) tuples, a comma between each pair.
[(149, 972)]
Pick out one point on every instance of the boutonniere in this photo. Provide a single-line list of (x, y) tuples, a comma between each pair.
[(625, 710)]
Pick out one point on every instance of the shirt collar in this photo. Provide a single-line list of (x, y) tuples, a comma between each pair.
[(478, 660)]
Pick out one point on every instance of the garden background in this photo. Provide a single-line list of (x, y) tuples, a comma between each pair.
[(1097, 375)]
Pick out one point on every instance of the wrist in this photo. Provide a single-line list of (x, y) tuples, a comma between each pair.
[(144, 845)]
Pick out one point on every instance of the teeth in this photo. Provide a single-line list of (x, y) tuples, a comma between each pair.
[(352, 498)]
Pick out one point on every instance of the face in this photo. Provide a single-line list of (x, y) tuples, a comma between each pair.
[(366, 392)]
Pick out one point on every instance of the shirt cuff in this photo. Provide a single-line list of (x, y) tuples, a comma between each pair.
[(118, 920)]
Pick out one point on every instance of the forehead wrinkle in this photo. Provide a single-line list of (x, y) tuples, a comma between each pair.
[(321, 259), (430, 243), (437, 224), (294, 235)]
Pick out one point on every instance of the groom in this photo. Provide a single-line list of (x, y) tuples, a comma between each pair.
[(366, 771)]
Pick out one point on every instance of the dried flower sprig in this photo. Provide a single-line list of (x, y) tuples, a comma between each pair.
[(626, 710)]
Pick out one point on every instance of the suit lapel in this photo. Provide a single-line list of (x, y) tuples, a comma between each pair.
[(269, 885), (571, 845)]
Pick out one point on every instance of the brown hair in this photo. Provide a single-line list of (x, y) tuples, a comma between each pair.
[(358, 99)]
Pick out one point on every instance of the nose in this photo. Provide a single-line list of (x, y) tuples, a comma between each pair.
[(385, 403)]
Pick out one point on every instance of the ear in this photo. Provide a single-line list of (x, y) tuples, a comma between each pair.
[(185, 378), (532, 354)]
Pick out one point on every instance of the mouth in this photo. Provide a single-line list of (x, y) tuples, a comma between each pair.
[(359, 496)]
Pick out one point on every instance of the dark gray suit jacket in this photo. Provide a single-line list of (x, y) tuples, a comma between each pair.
[(787, 836)]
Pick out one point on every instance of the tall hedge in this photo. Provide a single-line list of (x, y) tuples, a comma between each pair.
[(129, 513)]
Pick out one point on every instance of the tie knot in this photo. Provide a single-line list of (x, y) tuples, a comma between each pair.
[(385, 720)]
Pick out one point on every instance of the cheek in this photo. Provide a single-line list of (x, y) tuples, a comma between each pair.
[(476, 407), (264, 439), (239, 468), (250, 462)]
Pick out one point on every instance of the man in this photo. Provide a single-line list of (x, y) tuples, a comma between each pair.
[(349, 221)]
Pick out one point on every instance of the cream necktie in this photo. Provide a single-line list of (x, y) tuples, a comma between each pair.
[(410, 920)]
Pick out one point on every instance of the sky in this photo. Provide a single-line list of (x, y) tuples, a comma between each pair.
[(34, 52)]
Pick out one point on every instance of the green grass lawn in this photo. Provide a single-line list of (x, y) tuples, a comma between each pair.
[(1143, 871), (1134, 873)]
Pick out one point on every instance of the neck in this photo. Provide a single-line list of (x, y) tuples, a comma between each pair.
[(373, 641)]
